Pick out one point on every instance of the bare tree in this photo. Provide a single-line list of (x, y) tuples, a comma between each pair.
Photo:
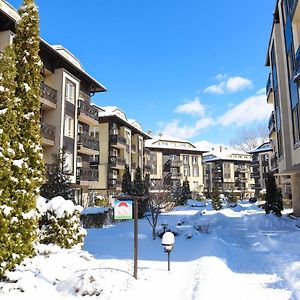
[(159, 200), (248, 139)]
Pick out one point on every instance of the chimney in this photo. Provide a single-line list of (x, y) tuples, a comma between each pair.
[(160, 134), (221, 149), (149, 132)]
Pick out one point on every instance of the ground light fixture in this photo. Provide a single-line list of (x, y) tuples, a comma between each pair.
[(168, 241)]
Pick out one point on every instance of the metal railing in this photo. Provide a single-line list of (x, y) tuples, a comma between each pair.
[(87, 174), (48, 131), (87, 109), (116, 139), (269, 85), (48, 93), (88, 141)]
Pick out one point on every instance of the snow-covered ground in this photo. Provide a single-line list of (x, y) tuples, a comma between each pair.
[(236, 253)]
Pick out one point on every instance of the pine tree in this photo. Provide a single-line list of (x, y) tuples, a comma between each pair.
[(126, 181), (138, 189), (29, 169), (176, 193), (7, 139), (274, 202), (185, 191), (58, 179), (215, 195)]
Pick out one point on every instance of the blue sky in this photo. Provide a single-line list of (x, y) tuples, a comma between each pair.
[(194, 69)]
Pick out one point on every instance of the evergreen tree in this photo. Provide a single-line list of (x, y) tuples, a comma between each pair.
[(126, 181), (215, 195), (28, 170), (7, 140), (138, 189), (58, 179), (146, 184), (185, 191), (274, 201), (176, 193)]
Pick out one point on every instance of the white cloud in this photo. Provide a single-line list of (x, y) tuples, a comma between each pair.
[(229, 85), (251, 110), (261, 91), (237, 83), (216, 89), (183, 132), (193, 108), (220, 77), (174, 128)]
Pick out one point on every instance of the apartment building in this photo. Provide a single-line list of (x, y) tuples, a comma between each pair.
[(121, 143), (66, 112), (260, 166), (228, 170), (173, 160), (283, 58)]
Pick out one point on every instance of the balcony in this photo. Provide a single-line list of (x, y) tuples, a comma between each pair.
[(86, 176), (87, 113), (118, 141), (87, 144), (217, 179), (48, 96), (216, 170), (256, 186), (241, 169), (176, 163), (114, 184), (175, 176), (271, 126), (117, 162), (274, 162), (269, 91), (292, 7), (48, 134), (255, 175), (254, 163)]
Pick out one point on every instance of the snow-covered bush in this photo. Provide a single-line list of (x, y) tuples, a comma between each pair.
[(59, 222)]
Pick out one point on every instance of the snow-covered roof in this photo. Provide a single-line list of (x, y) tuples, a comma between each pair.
[(265, 147), (228, 154), (114, 111), (68, 55), (168, 142)]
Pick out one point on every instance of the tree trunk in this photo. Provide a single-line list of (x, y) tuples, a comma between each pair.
[(153, 233)]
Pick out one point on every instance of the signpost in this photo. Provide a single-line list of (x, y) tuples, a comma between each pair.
[(123, 211)]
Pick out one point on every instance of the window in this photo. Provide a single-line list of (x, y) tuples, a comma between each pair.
[(195, 171), (80, 128), (69, 162), (69, 127), (70, 92), (195, 160), (186, 171), (79, 162), (186, 159)]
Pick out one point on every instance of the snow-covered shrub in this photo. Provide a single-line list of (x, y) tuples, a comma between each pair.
[(60, 222)]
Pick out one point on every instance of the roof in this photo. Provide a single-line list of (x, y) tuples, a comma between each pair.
[(264, 147), (10, 17), (172, 143), (115, 114), (229, 154)]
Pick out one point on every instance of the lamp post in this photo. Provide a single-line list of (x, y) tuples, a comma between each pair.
[(168, 240)]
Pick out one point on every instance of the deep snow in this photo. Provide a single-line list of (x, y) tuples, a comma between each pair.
[(235, 253)]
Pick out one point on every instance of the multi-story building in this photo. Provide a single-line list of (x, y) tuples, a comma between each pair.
[(283, 58), (66, 113), (260, 166), (173, 160), (229, 171), (121, 143)]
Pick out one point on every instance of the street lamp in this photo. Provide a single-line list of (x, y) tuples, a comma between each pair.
[(168, 242)]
